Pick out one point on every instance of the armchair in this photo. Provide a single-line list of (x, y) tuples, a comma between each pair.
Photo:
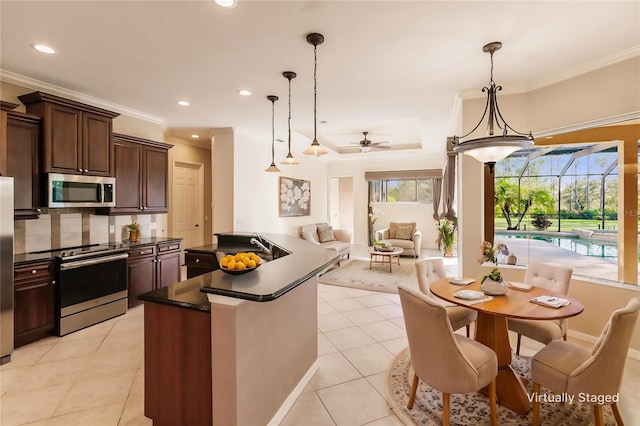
[(403, 235)]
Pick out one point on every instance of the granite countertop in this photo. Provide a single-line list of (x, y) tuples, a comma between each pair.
[(268, 282), (25, 258)]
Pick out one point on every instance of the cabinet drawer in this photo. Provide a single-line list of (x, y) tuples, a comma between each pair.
[(142, 251), (168, 246), (33, 271), (202, 260)]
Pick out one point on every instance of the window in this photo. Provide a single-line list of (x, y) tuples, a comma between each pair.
[(401, 191)]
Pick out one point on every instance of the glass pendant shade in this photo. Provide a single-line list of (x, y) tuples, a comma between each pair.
[(272, 167), (315, 149), (289, 160), (492, 147)]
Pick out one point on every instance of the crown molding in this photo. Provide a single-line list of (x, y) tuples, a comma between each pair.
[(31, 83)]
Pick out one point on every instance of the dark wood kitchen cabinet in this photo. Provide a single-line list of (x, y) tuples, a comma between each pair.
[(168, 263), (199, 263), (152, 266), (77, 138), (34, 302), (23, 137), (144, 166), (141, 272)]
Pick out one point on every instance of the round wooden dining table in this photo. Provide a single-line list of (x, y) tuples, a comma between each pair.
[(491, 330)]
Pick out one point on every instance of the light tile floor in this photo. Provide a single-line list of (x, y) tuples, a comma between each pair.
[(95, 376)]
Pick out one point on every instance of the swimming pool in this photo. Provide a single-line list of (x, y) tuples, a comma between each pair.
[(583, 246)]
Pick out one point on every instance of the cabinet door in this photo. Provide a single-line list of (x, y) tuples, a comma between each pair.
[(97, 152), (168, 269), (128, 173), (156, 163), (62, 140), (141, 278), (34, 303), (23, 135), (3, 143)]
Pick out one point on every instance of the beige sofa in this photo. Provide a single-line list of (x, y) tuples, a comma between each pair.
[(327, 237), (409, 241)]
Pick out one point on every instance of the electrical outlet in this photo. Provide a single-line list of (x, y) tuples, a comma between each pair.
[(112, 229)]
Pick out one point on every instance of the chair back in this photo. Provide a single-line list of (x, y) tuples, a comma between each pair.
[(436, 356), (601, 373), (556, 278), (427, 271)]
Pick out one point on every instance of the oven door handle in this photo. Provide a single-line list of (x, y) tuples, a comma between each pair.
[(93, 261)]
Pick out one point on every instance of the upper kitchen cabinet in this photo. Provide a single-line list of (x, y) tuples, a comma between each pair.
[(21, 136), (77, 138), (141, 168)]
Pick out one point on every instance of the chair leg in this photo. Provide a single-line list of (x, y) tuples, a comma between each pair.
[(412, 395), (468, 330), (518, 344), (445, 409), (599, 415), (492, 403), (616, 414), (536, 404)]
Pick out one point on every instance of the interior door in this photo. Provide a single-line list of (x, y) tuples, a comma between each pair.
[(187, 206)]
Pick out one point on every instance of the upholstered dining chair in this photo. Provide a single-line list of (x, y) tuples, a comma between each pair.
[(555, 278), (446, 361), (564, 367), (429, 270)]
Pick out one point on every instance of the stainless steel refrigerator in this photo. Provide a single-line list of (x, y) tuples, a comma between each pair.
[(6, 269)]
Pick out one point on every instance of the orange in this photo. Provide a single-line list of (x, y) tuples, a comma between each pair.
[(224, 262), (240, 266), (231, 265)]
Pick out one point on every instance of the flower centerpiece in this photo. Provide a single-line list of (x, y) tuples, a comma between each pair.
[(134, 231), (493, 283), (447, 230)]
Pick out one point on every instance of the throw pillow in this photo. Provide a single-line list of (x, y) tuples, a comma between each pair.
[(404, 232), (393, 228), (306, 235), (325, 234)]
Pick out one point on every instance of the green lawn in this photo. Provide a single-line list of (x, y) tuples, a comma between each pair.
[(566, 225)]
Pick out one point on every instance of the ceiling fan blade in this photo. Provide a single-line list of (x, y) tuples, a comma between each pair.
[(380, 146), (378, 143)]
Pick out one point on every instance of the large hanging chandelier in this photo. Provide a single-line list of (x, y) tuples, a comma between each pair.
[(493, 147), (289, 75), (315, 149), (272, 167)]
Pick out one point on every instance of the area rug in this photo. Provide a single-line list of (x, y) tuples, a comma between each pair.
[(473, 408), (356, 274)]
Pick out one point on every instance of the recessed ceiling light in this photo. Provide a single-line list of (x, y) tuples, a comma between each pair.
[(183, 103), (195, 136), (43, 48), (244, 92), (226, 3)]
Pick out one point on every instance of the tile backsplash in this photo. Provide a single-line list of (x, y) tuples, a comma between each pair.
[(69, 228)]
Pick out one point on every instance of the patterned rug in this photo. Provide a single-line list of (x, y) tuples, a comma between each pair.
[(473, 408), (356, 274)]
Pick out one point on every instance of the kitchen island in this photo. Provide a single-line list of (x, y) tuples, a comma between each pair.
[(235, 349)]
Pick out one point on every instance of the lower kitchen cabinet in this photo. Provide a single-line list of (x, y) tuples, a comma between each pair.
[(168, 264), (199, 263), (152, 266), (141, 272), (34, 302)]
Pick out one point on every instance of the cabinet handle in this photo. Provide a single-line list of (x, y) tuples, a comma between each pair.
[(141, 208), (34, 271), (53, 282), (197, 260), (86, 170), (159, 260), (80, 170), (38, 210), (172, 247), (142, 252)]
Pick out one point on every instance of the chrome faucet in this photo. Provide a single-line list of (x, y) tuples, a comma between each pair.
[(263, 248)]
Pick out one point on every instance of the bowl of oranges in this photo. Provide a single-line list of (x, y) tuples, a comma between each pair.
[(240, 263)]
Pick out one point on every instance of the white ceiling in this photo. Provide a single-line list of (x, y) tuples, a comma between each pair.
[(388, 67)]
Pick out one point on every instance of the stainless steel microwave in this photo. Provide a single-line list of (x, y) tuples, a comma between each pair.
[(81, 191)]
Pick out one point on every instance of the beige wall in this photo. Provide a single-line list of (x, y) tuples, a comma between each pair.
[(608, 92), (222, 159), (184, 152)]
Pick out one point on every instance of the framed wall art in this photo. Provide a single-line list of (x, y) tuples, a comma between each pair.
[(295, 197)]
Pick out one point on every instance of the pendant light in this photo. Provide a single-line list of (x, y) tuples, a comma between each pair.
[(272, 167), (492, 147), (289, 75), (315, 149)]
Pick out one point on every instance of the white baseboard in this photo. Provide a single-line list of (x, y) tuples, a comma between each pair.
[(293, 396), (631, 353)]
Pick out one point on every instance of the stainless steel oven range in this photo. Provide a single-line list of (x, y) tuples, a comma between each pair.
[(91, 285)]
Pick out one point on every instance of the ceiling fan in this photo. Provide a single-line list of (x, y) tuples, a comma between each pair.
[(366, 144)]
